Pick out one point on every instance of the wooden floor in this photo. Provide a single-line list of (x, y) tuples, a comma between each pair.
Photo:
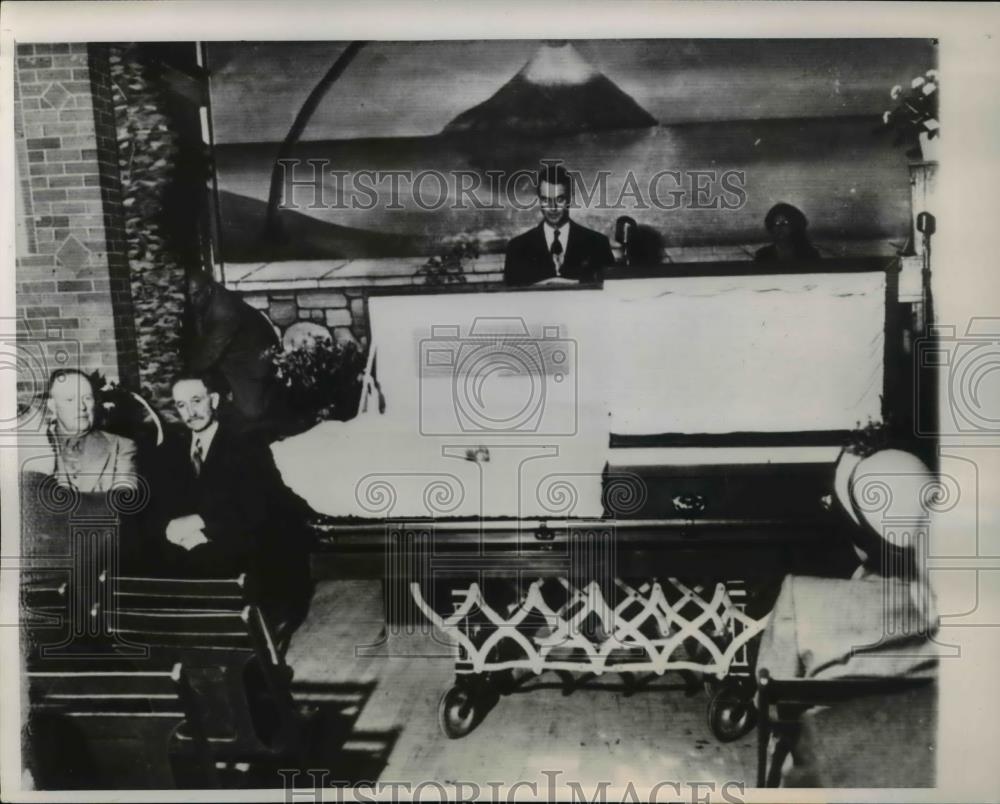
[(382, 705)]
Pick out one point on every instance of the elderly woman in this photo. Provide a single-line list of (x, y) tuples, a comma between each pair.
[(80, 455), (787, 226)]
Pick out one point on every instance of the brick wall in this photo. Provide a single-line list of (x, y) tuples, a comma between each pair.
[(74, 303)]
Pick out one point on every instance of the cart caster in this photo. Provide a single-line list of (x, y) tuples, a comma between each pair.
[(459, 712), (504, 682), (731, 712)]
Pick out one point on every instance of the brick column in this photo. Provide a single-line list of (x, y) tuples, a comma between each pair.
[(72, 270)]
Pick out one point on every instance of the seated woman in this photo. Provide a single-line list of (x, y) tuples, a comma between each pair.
[(78, 454), (787, 226), (79, 490)]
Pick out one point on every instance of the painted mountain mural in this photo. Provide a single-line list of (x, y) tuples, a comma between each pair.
[(615, 110), (556, 92)]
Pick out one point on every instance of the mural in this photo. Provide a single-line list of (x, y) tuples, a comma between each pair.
[(331, 150)]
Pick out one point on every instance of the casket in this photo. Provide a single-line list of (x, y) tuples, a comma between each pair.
[(628, 454)]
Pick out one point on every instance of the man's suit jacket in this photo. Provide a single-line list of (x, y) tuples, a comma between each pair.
[(528, 259), (253, 522)]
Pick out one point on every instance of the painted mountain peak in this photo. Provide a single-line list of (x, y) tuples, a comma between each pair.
[(557, 92)]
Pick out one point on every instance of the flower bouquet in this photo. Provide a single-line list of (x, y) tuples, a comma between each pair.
[(449, 268), (914, 118), (125, 412), (322, 378)]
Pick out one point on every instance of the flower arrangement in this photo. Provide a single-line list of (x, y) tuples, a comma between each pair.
[(124, 412), (322, 378), (914, 118), (449, 267), (870, 438)]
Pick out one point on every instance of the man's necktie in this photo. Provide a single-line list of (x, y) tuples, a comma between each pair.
[(196, 457), (557, 251)]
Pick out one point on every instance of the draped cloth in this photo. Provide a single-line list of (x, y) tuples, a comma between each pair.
[(502, 404), (836, 628)]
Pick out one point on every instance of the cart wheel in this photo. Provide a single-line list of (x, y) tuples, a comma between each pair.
[(730, 713), (457, 713)]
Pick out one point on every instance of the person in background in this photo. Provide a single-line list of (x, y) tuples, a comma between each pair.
[(558, 250), (82, 456), (222, 509), (787, 226), (233, 342)]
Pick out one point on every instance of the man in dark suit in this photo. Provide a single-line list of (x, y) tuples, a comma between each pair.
[(557, 251), (232, 342), (223, 508)]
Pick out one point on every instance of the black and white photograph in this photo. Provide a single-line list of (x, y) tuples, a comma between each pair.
[(594, 402)]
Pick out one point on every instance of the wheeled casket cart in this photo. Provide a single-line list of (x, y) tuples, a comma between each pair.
[(601, 480)]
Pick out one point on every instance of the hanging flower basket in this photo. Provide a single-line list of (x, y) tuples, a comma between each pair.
[(914, 118)]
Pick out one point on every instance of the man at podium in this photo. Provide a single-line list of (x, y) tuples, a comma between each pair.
[(558, 250)]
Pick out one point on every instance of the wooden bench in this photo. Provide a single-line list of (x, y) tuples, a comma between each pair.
[(180, 594), (46, 612), (44, 599), (241, 686), (105, 724), (132, 593)]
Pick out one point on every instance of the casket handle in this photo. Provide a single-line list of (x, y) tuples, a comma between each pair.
[(689, 503), (545, 534)]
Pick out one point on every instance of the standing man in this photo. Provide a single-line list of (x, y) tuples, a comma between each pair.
[(224, 510), (558, 250), (232, 342)]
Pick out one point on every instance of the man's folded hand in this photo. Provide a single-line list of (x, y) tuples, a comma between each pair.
[(557, 280), (187, 531)]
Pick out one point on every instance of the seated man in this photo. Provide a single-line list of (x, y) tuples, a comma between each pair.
[(222, 509), (80, 455), (558, 250)]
